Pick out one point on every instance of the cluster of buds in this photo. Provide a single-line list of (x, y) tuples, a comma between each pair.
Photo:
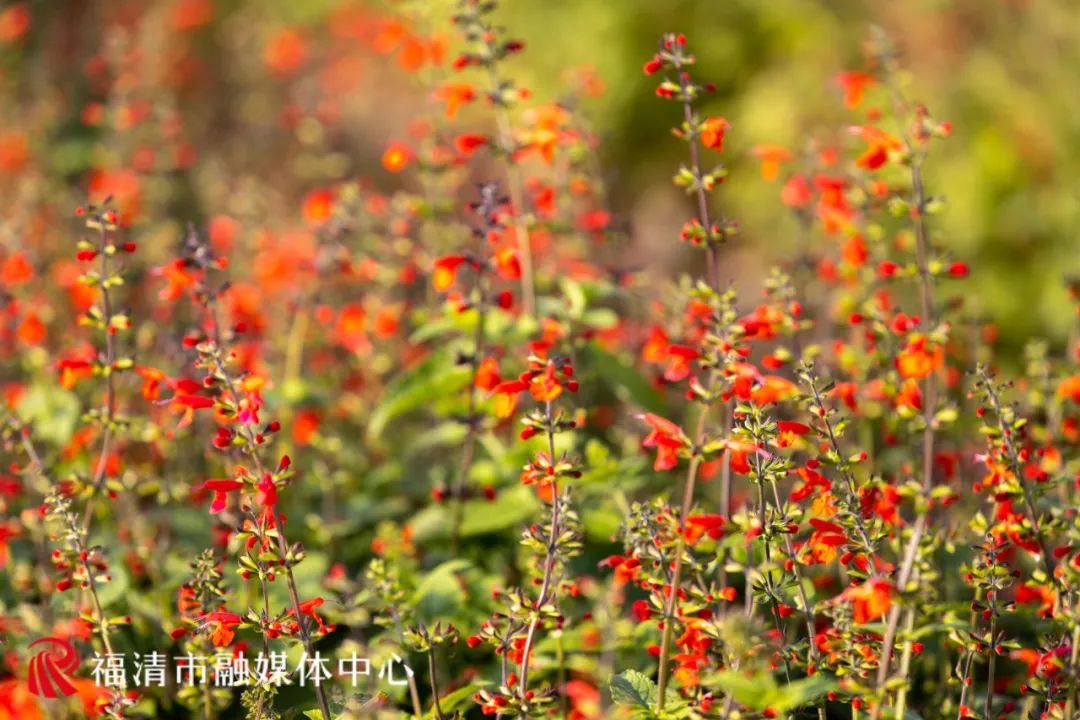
[(200, 597), (492, 257), (488, 46)]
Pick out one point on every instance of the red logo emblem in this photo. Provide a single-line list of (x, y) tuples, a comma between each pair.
[(50, 667)]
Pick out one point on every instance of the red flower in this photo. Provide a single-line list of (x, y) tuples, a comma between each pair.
[(796, 192), (789, 430), (1039, 594), (679, 357), (666, 437), (468, 143), (266, 495), (221, 488), (699, 525), (506, 396)]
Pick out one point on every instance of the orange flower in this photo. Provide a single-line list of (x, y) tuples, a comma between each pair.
[(545, 387), (285, 52), (16, 269), (190, 14), (72, 370), (221, 489), (14, 151), (811, 479), (771, 156), (679, 357), (506, 394), (152, 379), (544, 137), (351, 327), (14, 22), (412, 53), (1041, 595), (879, 145), (910, 396), (712, 133), (455, 95), (385, 323), (854, 85), (305, 425), (31, 330), (870, 600), (319, 206), (507, 264), (224, 627), (854, 251), (487, 374), (656, 347), (773, 389), (396, 157), (917, 360), (446, 271), (1070, 388)]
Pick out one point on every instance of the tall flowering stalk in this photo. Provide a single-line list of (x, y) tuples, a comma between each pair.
[(237, 404), (515, 630), (922, 356), (81, 563), (672, 56), (489, 259), (487, 48)]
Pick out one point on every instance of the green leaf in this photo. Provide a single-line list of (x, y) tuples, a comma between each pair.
[(51, 411), (633, 688), (626, 382), (451, 700), (753, 691), (115, 589), (435, 377), (440, 594), (508, 509), (802, 692)]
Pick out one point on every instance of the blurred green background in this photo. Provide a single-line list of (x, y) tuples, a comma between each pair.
[(1002, 71)]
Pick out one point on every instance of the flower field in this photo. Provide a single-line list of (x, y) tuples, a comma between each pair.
[(346, 374)]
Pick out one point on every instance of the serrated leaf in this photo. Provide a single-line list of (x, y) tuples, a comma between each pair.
[(632, 688)]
